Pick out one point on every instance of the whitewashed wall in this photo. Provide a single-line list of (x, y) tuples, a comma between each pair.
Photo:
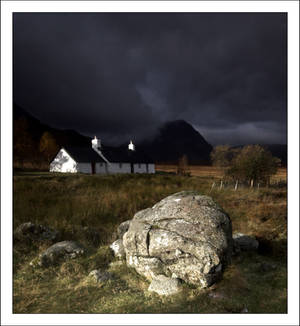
[(140, 168), (84, 167), (151, 168), (101, 168), (63, 162), (116, 168)]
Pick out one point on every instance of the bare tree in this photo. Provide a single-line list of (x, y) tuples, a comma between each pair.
[(183, 166)]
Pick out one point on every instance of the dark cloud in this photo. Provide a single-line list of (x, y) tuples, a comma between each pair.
[(121, 75)]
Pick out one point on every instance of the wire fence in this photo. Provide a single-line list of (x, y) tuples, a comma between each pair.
[(236, 185)]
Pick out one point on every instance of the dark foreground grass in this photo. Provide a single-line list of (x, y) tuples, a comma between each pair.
[(69, 203)]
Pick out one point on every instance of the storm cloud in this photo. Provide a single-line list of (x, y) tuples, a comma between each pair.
[(120, 75)]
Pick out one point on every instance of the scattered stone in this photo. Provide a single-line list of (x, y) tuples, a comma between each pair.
[(217, 295), (100, 275), (243, 242), (123, 228), (60, 251), (116, 263), (185, 235), (35, 232), (163, 285), (118, 248)]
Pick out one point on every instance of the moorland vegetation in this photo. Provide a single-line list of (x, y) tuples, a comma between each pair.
[(88, 209)]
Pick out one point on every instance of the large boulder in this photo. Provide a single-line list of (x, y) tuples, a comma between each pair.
[(185, 236), (118, 248), (60, 251), (123, 228)]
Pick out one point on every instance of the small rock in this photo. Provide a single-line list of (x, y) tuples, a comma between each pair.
[(216, 295), (116, 263), (35, 232), (163, 285), (243, 242), (118, 248), (100, 275), (267, 267), (123, 228), (60, 251)]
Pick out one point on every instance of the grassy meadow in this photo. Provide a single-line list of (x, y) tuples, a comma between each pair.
[(80, 206)]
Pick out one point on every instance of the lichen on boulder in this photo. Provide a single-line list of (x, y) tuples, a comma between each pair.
[(185, 236), (118, 249)]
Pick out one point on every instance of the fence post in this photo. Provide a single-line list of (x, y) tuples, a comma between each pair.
[(251, 185), (212, 186), (221, 184), (236, 185), (258, 186)]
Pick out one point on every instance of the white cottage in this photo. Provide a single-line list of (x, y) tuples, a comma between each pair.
[(99, 159)]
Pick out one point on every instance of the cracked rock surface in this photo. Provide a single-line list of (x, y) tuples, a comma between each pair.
[(185, 236)]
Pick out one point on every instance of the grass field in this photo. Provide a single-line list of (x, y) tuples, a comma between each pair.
[(68, 203), (214, 171)]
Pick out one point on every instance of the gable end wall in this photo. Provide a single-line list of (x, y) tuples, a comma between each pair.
[(63, 162)]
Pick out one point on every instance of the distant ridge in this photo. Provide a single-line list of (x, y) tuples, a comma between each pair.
[(36, 128)]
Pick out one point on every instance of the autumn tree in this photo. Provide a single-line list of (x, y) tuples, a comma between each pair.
[(253, 164), (48, 146), (223, 155), (24, 147)]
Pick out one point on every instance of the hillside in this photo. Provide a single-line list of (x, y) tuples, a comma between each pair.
[(36, 128)]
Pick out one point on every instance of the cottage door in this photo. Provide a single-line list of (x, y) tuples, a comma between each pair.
[(93, 167), (131, 168)]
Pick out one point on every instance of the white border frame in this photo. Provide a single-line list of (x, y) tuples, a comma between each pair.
[(292, 8)]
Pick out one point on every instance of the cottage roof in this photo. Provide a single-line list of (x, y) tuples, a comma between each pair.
[(112, 154), (125, 155), (84, 154)]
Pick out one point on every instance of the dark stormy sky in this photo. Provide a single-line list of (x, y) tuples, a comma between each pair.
[(119, 76)]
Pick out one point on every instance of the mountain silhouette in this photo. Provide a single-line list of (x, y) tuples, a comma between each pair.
[(175, 139)]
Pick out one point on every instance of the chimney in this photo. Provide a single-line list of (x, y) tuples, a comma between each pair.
[(131, 146), (96, 143)]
